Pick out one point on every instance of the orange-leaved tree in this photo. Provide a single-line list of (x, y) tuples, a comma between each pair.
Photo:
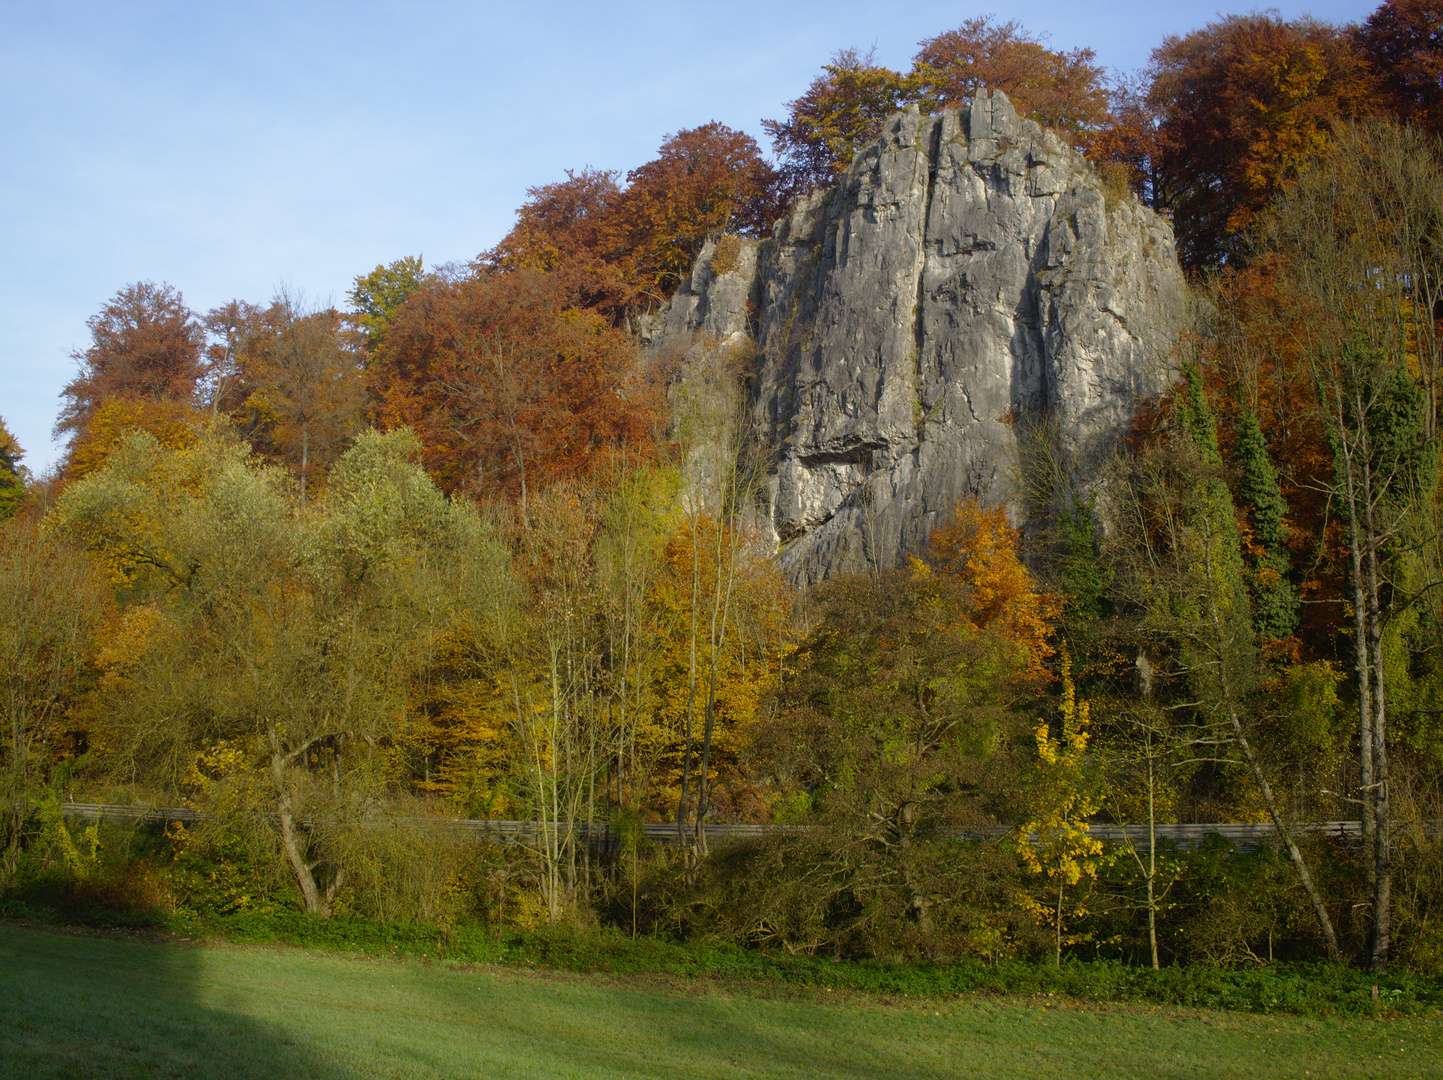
[(843, 109), (1402, 43), (1244, 103), (1064, 91), (510, 385), (564, 228), (145, 344), (979, 547), (703, 183)]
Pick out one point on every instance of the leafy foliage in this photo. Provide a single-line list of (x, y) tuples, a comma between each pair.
[(844, 107), (267, 635), (145, 343), (376, 296), (12, 473), (1402, 41), (1243, 105), (510, 386)]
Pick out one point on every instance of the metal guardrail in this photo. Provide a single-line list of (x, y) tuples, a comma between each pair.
[(1244, 835)]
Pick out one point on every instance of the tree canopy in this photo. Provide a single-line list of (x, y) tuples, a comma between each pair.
[(146, 344)]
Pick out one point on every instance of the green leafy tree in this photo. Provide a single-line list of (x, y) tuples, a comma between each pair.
[(901, 720), (265, 647), (1181, 577), (1357, 235), (375, 296), (52, 602), (12, 473)]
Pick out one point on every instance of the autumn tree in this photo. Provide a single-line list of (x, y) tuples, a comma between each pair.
[(703, 183), (265, 645), (546, 642), (638, 521), (231, 328), (1064, 91), (510, 385), (145, 344), (901, 719), (843, 109), (622, 251), (1402, 43), (52, 604), (302, 380), (1181, 582), (564, 228), (1243, 105), (980, 548), (891, 729), (1358, 234), (12, 473), (1127, 146), (1054, 842), (719, 567), (174, 424)]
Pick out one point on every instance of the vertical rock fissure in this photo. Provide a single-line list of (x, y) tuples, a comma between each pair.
[(933, 150)]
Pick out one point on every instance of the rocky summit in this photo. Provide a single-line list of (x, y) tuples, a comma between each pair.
[(971, 283)]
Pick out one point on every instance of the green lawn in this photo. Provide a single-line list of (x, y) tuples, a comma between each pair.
[(87, 1006)]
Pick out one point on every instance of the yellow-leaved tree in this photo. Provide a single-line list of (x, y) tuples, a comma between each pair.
[(1054, 843)]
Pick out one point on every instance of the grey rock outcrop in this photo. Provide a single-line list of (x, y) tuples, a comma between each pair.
[(967, 282)]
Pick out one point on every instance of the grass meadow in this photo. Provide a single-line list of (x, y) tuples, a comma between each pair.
[(107, 1005)]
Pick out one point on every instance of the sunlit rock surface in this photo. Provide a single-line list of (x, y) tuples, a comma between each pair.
[(967, 281)]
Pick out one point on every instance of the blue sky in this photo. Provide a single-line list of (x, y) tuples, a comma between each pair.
[(230, 148)]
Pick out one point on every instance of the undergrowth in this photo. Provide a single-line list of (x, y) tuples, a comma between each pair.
[(1305, 989)]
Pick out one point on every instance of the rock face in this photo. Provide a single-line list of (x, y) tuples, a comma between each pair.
[(966, 285)]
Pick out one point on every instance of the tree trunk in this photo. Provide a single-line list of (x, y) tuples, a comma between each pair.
[(1325, 922), (1378, 795), (292, 843), (1151, 857)]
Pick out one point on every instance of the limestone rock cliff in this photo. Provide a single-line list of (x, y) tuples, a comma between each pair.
[(966, 281)]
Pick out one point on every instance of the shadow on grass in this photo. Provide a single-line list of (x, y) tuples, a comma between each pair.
[(546, 1025), (106, 1005)]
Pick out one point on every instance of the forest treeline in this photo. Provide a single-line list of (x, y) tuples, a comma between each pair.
[(468, 548)]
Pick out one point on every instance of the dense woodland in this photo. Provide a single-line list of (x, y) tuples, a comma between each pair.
[(468, 549)]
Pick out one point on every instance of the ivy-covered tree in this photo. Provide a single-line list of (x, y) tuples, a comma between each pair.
[(1275, 601), (1182, 582)]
